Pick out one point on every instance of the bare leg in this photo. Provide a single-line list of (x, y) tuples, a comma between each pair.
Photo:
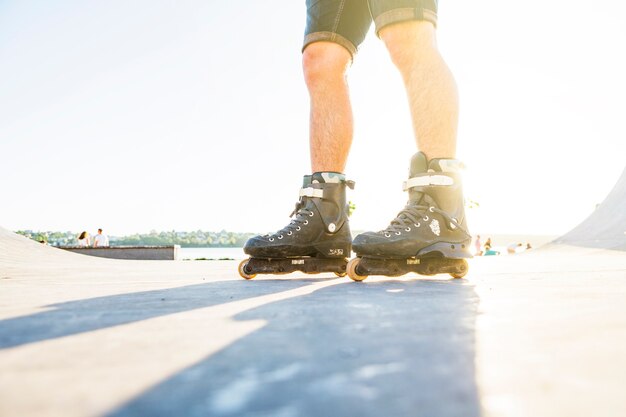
[(430, 86), (331, 126)]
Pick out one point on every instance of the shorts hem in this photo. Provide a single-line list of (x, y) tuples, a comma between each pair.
[(330, 37), (402, 15)]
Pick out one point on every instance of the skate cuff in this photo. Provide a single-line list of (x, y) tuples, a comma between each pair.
[(311, 192), (426, 180)]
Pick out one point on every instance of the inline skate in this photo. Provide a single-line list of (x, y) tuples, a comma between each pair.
[(429, 236), (316, 240)]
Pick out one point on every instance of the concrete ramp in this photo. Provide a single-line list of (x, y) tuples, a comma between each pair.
[(17, 249), (605, 228), (540, 334)]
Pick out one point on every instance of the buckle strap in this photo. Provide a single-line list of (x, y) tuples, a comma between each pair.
[(426, 180), (311, 192)]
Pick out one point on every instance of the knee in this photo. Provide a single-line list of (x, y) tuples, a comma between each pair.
[(408, 43), (323, 61)]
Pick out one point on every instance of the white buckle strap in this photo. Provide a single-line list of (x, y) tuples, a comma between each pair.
[(311, 192), (426, 180)]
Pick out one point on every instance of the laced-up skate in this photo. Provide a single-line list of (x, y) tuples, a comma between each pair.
[(316, 240), (429, 236)]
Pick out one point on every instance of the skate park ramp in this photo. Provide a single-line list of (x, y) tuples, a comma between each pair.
[(537, 334), (605, 228)]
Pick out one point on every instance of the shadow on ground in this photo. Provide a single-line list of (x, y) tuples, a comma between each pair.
[(393, 348), (74, 317)]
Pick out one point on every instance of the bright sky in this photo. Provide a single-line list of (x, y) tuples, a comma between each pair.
[(189, 115)]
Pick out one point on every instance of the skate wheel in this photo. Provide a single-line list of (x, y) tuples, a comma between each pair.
[(242, 270), (341, 274), (464, 268), (352, 265)]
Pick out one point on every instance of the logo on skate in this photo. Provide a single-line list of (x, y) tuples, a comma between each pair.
[(335, 252), (434, 226)]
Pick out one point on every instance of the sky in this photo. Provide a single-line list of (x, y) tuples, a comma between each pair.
[(186, 115)]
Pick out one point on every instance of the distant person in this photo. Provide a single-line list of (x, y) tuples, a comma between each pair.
[(514, 248), (488, 243), (100, 240), (478, 245), (83, 239), (489, 251), (528, 247)]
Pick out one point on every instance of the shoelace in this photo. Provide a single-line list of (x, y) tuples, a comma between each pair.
[(301, 219), (412, 215), (302, 214)]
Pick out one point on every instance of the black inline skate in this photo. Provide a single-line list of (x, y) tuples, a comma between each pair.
[(429, 236), (316, 240)]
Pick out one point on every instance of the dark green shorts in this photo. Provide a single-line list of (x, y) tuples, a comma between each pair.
[(346, 22)]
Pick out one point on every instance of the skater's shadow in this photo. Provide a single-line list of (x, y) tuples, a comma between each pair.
[(389, 348), (73, 317)]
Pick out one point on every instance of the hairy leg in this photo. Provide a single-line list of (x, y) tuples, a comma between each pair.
[(430, 86), (331, 125)]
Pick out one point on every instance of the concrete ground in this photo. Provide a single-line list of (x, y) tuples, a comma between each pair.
[(538, 334)]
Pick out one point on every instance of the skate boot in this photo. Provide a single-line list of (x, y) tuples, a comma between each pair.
[(316, 240), (429, 236)]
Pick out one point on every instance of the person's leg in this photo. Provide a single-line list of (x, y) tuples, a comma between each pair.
[(335, 29), (318, 237), (325, 65), (429, 84), (430, 234)]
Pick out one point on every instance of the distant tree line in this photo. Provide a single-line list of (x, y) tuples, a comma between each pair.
[(51, 238), (198, 238)]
